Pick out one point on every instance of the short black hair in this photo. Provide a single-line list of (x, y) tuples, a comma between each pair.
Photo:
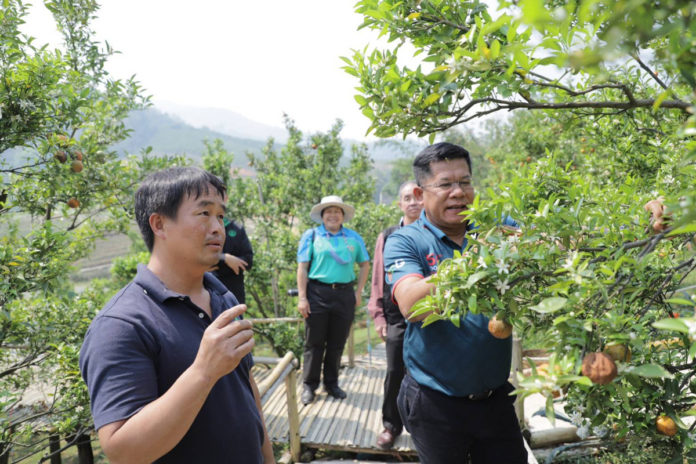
[(442, 151), (163, 191)]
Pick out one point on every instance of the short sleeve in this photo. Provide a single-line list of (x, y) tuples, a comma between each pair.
[(401, 258), (304, 248), (117, 365), (362, 254)]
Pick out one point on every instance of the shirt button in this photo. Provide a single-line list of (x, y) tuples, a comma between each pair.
[(201, 315), (145, 291)]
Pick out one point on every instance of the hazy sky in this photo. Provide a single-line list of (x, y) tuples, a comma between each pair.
[(256, 58)]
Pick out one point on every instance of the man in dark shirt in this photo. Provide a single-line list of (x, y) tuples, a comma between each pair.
[(167, 361), (237, 257), (455, 398)]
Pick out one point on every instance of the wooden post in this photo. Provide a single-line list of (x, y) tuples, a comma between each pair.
[(84, 449), (293, 416), (54, 449), (351, 347), (515, 368)]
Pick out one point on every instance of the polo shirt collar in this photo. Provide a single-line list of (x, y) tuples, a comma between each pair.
[(440, 234), (322, 230), (154, 287)]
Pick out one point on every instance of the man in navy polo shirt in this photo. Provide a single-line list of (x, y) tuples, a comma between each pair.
[(167, 361), (454, 399)]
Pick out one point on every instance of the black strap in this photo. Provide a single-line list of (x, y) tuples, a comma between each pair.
[(311, 251)]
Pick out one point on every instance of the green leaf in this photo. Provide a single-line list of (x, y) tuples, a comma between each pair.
[(687, 229), (671, 324), (430, 99), (549, 305), (652, 371), (680, 301), (475, 278)]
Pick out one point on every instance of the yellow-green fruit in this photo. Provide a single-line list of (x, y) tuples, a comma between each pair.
[(666, 426), (618, 352)]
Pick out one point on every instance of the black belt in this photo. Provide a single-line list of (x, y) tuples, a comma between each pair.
[(334, 285), (480, 396), (471, 397)]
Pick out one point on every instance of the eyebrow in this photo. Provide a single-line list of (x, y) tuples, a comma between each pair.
[(206, 203)]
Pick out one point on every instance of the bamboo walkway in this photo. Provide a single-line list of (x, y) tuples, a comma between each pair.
[(351, 424)]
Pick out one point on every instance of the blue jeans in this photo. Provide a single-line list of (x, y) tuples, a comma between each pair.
[(448, 430)]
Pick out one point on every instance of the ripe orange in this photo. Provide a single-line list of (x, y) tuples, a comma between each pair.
[(599, 367), (76, 166), (61, 156), (499, 328), (666, 426)]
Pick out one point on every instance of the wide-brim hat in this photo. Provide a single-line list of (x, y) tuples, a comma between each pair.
[(331, 200)]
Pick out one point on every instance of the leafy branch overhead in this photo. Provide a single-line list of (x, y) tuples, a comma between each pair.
[(531, 54)]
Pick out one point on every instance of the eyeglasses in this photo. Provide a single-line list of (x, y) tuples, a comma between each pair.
[(464, 184)]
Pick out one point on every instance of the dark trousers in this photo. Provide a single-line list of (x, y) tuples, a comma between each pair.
[(391, 419), (449, 430), (326, 332)]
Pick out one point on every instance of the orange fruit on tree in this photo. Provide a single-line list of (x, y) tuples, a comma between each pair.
[(73, 202), (499, 328), (61, 156), (599, 367), (666, 425), (76, 166)]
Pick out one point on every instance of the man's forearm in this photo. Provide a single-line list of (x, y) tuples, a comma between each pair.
[(409, 291), (159, 426)]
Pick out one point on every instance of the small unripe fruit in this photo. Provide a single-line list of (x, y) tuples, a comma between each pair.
[(78, 155), (618, 352), (666, 426), (599, 367), (61, 156), (314, 146), (76, 166), (73, 202), (499, 328)]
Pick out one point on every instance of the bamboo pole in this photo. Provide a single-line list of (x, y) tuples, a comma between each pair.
[(273, 377), (293, 416)]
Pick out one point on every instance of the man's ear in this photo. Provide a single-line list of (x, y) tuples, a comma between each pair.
[(156, 221), (418, 192)]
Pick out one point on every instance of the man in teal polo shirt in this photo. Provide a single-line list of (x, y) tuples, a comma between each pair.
[(455, 398), (326, 298)]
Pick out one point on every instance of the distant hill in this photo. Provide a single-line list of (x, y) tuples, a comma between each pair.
[(169, 135), (223, 121)]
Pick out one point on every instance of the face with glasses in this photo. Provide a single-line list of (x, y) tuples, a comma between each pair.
[(447, 193)]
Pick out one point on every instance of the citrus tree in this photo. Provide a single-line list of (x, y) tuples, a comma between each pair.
[(612, 85), (274, 205), (62, 188)]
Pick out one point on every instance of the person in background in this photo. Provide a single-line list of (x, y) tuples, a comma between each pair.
[(389, 322), (327, 297), (455, 397), (167, 361), (236, 258)]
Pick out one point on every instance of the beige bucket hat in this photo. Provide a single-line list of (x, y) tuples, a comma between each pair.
[(331, 200)]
